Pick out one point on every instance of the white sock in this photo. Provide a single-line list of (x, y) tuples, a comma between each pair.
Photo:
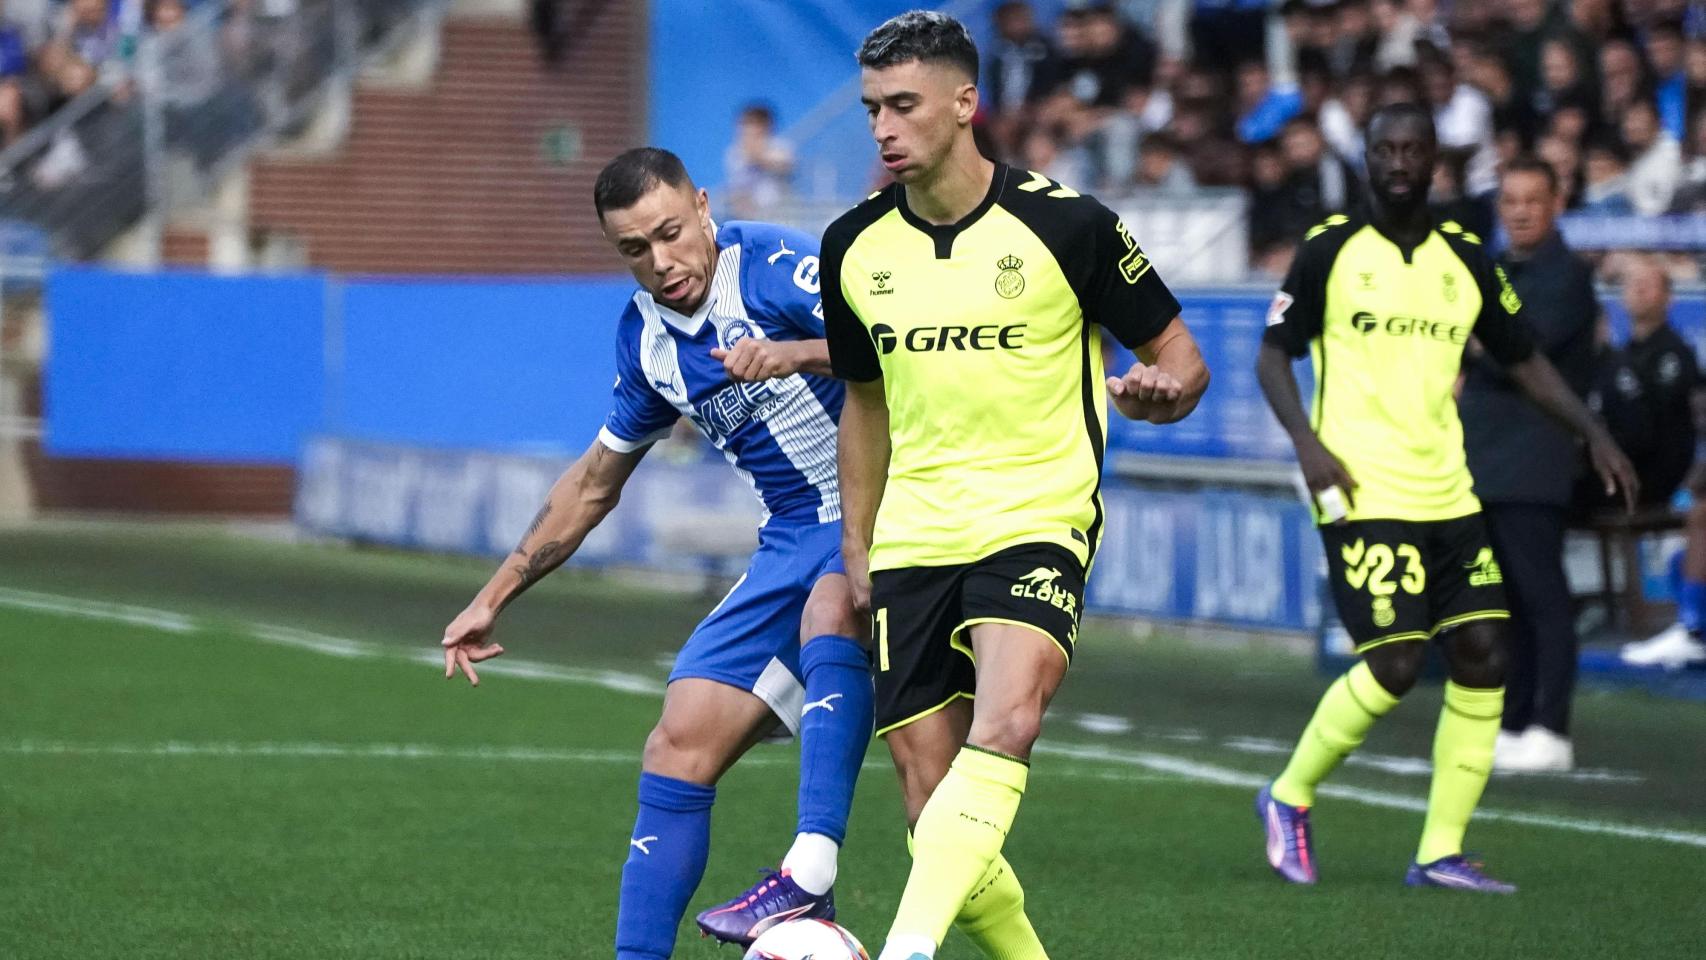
[(811, 862), (907, 946)]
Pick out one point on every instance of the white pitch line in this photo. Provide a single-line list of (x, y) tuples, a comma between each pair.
[(1155, 763), (1421, 766), (1223, 776), (97, 610), (315, 750)]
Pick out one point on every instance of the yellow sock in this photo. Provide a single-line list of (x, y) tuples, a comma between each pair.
[(1349, 707), (1463, 756), (959, 834), (993, 917)]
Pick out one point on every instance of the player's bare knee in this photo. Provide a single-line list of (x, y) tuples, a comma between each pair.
[(829, 612), (1011, 732), (672, 752), (1477, 655), (1397, 666)]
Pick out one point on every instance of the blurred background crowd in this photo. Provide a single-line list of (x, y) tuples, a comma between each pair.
[(1182, 96)]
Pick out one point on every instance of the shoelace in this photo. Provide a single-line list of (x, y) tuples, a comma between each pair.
[(772, 880)]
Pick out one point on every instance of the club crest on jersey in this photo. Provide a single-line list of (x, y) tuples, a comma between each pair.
[(734, 332), (1382, 612), (881, 278), (1009, 283)]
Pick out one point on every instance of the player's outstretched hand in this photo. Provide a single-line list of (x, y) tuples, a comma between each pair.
[(467, 642), (1615, 470), (1146, 393), (753, 360), (1322, 471)]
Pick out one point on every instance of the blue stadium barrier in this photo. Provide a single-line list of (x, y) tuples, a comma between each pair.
[(182, 366), (1240, 559), (409, 375), (487, 364), (189, 365)]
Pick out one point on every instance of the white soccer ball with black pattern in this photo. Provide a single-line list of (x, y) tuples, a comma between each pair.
[(807, 940)]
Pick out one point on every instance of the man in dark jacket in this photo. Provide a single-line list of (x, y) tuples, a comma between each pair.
[(1525, 465), (1645, 390)]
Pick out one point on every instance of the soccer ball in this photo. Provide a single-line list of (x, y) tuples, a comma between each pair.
[(807, 940)]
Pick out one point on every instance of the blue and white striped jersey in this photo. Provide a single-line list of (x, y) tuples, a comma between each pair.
[(779, 435)]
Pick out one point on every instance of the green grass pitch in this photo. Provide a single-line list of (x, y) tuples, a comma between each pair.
[(213, 747)]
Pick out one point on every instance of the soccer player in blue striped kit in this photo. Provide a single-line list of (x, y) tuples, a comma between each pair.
[(727, 331)]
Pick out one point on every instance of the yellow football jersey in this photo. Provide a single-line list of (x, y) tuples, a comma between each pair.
[(986, 335), (1386, 328)]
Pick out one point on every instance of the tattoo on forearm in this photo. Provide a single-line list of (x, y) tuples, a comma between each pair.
[(533, 528), (543, 561)]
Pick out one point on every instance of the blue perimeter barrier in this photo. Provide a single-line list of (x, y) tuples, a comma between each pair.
[(1241, 559), (410, 375)]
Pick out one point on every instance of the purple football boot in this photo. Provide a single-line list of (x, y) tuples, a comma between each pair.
[(1456, 872), (773, 900), (1288, 838)]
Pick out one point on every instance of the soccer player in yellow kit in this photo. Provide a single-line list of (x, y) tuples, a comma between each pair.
[(1386, 305), (965, 306)]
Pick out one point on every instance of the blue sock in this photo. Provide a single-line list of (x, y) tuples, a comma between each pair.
[(1691, 606), (666, 859), (835, 729)]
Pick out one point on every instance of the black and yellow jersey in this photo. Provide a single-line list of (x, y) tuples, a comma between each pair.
[(1387, 328), (986, 335)]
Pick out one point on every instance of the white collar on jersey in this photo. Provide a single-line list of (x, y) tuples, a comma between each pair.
[(724, 277)]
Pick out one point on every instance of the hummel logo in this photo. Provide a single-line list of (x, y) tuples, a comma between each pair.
[(780, 253), (821, 704), (640, 844)]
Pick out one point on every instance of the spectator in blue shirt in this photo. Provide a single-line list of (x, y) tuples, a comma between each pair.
[(1664, 54), (1263, 110), (14, 52)]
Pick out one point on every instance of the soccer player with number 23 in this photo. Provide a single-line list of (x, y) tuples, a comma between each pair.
[(1387, 305)]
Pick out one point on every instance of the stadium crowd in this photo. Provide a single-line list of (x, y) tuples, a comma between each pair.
[(1231, 93)]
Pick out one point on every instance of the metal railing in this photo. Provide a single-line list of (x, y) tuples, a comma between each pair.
[(161, 131)]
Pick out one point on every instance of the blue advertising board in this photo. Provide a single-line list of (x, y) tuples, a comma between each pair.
[(1244, 560), (182, 366)]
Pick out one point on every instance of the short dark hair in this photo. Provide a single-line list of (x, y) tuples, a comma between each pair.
[(1403, 110), (1162, 141), (1643, 103), (1610, 145), (1671, 26), (923, 35), (759, 110), (1529, 163), (624, 180)]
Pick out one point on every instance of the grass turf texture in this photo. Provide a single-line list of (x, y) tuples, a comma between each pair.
[(285, 825)]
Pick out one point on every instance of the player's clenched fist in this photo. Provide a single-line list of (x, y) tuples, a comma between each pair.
[(752, 360), (1146, 393), (465, 642)]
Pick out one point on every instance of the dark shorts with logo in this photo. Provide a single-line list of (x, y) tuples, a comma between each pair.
[(923, 618), (1396, 580)]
